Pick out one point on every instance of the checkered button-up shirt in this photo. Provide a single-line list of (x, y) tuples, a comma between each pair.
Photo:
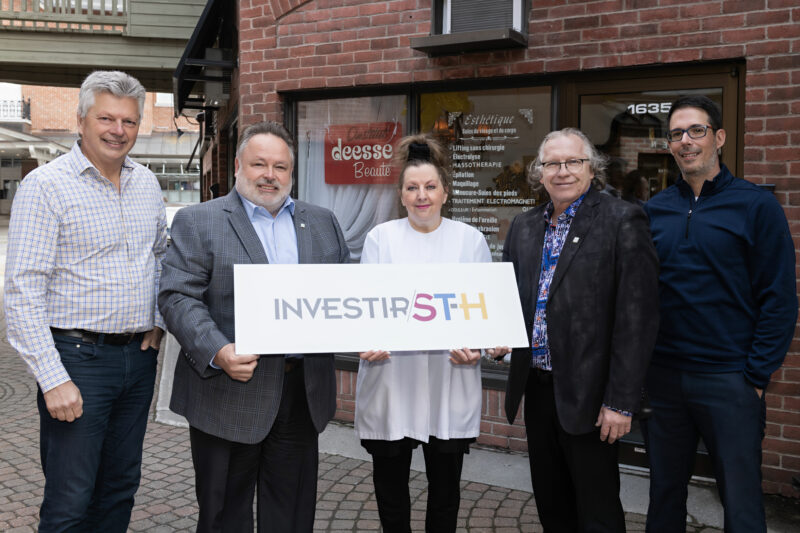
[(81, 255)]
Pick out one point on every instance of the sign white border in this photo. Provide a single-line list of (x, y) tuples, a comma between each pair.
[(352, 307)]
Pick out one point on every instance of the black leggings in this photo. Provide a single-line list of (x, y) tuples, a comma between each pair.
[(391, 468)]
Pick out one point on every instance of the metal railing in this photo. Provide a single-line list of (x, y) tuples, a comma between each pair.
[(15, 109), (99, 16)]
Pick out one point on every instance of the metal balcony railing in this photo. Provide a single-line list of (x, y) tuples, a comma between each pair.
[(15, 110), (96, 16)]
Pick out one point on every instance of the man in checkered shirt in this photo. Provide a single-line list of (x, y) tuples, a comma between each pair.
[(85, 243)]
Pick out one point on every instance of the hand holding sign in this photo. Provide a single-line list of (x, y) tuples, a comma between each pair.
[(465, 356), (374, 356), (238, 367)]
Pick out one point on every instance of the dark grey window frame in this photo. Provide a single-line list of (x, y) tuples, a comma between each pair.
[(470, 41)]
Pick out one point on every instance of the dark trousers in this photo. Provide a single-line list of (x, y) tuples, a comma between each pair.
[(92, 466), (727, 413), (390, 476), (575, 477), (283, 466)]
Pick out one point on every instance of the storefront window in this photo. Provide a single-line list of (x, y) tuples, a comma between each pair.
[(492, 136), (630, 128), (180, 188), (344, 150)]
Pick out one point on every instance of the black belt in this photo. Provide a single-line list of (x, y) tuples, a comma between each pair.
[(91, 337)]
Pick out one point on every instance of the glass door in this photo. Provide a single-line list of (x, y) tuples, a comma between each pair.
[(630, 128), (626, 118)]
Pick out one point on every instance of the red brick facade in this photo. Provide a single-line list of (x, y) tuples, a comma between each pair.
[(54, 109), (290, 45)]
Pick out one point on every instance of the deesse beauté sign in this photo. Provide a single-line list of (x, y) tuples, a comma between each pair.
[(361, 153), (353, 308)]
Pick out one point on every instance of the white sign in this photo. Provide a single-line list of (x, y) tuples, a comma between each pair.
[(353, 308)]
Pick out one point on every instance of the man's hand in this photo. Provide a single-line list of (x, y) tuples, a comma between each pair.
[(64, 402), (238, 367), (152, 339), (613, 425), (374, 355), (465, 356)]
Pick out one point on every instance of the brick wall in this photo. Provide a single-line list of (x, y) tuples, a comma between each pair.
[(346, 395), (288, 45), (215, 168), (52, 108), (56, 108)]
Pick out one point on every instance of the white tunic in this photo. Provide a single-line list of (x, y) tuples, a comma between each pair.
[(418, 394)]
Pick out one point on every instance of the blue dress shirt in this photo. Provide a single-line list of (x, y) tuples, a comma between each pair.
[(277, 234)]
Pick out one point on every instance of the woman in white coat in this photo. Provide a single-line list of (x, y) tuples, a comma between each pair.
[(431, 398)]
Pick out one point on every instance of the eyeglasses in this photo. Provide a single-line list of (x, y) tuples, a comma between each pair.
[(695, 131), (572, 165)]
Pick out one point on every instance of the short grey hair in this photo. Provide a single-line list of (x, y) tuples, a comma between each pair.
[(265, 128), (597, 161), (114, 82)]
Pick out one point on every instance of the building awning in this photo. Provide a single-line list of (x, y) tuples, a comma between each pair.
[(216, 28), (18, 145)]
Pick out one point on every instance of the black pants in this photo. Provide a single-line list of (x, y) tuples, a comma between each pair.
[(391, 469), (725, 410), (283, 466), (575, 477)]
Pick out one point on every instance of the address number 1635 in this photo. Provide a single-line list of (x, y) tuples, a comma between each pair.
[(653, 107)]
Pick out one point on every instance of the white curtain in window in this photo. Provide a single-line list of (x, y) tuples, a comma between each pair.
[(357, 207)]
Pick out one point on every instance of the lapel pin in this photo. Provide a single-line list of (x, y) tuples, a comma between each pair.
[(302, 225), (576, 239)]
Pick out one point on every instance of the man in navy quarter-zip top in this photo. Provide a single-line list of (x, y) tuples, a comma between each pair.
[(728, 311)]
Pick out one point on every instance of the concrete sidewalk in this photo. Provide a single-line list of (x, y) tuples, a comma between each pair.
[(495, 487)]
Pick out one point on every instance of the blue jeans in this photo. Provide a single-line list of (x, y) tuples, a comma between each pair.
[(725, 410), (92, 466)]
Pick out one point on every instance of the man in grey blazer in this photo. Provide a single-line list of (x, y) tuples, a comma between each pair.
[(254, 420)]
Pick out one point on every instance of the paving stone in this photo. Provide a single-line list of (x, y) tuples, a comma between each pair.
[(368, 525), (350, 505), (487, 504), (481, 513), (346, 514)]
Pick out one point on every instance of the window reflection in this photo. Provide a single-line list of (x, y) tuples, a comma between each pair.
[(492, 136), (630, 128), (332, 170)]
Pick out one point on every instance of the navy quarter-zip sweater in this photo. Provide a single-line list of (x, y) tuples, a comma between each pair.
[(727, 279)]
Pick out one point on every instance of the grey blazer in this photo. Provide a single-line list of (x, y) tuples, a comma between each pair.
[(196, 301)]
